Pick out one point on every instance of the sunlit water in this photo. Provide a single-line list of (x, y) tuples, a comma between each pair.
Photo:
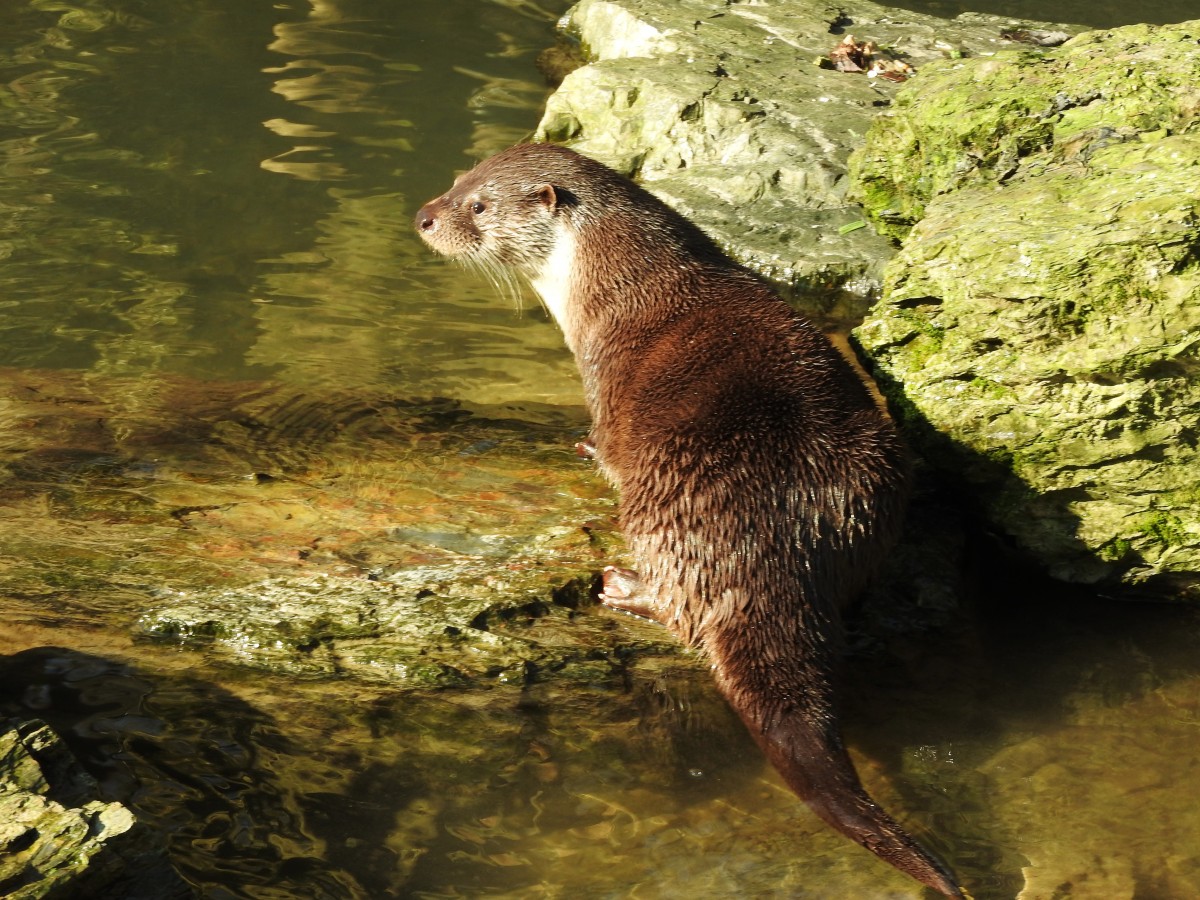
[(205, 202)]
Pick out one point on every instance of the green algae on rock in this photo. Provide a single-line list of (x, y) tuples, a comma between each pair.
[(1040, 326), (976, 122), (723, 108), (473, 623)]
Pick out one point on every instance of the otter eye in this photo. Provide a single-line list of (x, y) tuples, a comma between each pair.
[(478, 207)]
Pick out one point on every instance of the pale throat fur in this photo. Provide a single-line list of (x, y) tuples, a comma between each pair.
[(553, 281)]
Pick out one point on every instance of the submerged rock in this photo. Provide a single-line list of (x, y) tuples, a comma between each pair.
[(717, 108), (1040, 327), (411, 541), (454, 625)]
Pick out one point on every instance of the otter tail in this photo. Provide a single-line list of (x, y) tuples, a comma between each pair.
[(804, 745)]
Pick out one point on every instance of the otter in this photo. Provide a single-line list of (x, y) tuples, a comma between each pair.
[(759, 480)]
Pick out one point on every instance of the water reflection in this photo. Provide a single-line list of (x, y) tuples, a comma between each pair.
[(223, 190), (339, 67), (1038, 756)]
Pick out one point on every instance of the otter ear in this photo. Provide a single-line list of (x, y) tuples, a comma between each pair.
[(554, 198), (547, 196)]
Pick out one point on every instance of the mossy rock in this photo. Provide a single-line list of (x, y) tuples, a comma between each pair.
[(1040, 326), (727, 113), (977, 121)]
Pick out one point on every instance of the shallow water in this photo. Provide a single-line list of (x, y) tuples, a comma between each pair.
[(209, 284), (1055, 724)]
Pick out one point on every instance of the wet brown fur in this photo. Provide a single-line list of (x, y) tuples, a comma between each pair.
[(760, 483)]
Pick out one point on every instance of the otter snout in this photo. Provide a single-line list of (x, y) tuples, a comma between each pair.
[(440, 226), (426, 221), (447, 225)]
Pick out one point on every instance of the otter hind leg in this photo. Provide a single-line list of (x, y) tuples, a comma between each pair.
[(623, 590)]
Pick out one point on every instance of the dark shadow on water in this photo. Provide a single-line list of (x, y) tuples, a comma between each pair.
[(363, 793), (188, 758)]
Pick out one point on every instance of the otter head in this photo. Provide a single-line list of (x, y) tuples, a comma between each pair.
[(503, 213), (510, 213)]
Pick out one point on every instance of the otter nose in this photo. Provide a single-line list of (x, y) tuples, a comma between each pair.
[(426, 222)]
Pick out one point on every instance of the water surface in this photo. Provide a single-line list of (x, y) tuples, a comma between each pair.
[(224, 191)]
